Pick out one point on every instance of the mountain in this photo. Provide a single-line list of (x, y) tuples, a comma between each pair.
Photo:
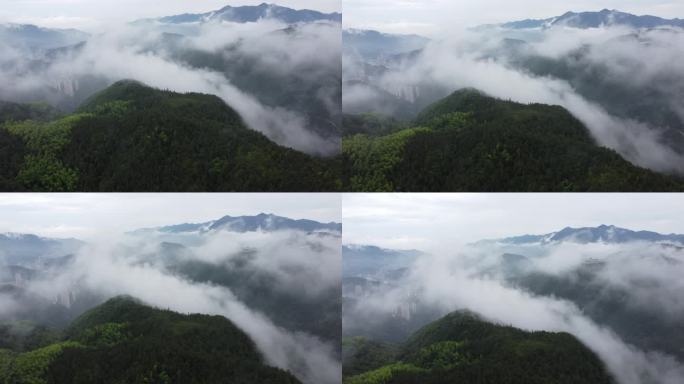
[(603, 18), (650, 102), (28, 250), (464, 348), (469, 141), (131, 137), (124, 340), (626, 304), (246, 14), (31, 37), (283, 79), (243, 272), (367, 260), (600, 234), (612, 306), (262, 222), (371, 44)]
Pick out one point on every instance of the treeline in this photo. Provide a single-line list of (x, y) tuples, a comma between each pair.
[(124, 341), (462, 348), (472, 142)]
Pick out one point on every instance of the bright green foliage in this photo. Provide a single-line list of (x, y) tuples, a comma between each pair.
[(42, 169), (115, 108), (441, 355), (31, 367), (462, 348), (42, 173), (104, 335), (384, 375), (374, 159), (481, 144), (449, 120)]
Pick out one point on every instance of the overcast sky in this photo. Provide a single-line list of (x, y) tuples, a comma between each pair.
[(92, 14), (430, 17), (427, 221), (88, 215)]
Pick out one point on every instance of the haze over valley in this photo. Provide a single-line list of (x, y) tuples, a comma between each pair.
[(275, 279), (616, 290), (277, 69), (613, 71)]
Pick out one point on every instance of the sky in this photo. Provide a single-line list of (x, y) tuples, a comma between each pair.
[(89, 15), (430, 17), (86, 216), (429, 221)]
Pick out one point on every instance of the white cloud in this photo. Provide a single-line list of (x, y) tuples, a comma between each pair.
[(303, 266)]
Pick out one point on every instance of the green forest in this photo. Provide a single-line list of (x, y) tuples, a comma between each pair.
[(125, 341), (463, 348), (133, 138), (472, 142)]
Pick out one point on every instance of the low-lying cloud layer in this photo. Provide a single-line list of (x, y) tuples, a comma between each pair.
[(645, 276), (150, 268), (196, 58), (623, 84)]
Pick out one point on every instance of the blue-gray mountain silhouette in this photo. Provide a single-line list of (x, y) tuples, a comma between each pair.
[(252, 13), (604, 17)]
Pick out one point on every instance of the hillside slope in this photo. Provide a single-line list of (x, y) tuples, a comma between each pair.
[(462, 348), (472, 142), (130, 137), (123, 340)]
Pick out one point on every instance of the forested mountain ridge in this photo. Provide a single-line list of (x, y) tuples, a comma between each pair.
[(461, 347), (124, 340), (131, 137), (469, 141)]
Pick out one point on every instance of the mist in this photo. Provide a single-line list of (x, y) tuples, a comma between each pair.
[(647, 276), (149, 267), (527, 66), (155, 54)]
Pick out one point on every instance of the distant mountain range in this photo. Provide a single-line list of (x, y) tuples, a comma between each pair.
[(603, 233), (247, 14), (371, 44), (33, 37), (369, 260), (241, 224), (28, 249), (606, 17)]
